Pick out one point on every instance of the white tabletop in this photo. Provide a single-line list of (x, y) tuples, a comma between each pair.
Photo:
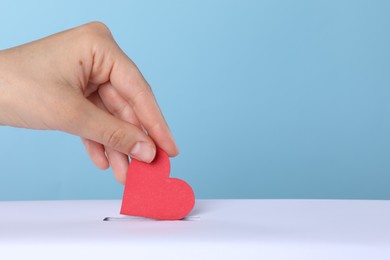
[(232, 229)]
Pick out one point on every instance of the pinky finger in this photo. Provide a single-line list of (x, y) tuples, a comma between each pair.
[(119, 163), (96, 153)]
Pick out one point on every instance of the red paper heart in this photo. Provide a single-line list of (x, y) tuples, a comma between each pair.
[(149, 192)]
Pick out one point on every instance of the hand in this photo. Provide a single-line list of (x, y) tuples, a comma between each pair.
[(79, 81)]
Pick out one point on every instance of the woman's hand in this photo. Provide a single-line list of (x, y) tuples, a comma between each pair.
[(79, 81)]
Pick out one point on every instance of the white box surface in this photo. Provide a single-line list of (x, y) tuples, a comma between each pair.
[(227, 229)]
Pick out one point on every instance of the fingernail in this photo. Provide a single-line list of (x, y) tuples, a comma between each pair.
[(143, 151)]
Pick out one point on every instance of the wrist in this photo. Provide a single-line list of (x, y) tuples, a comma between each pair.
[(5, 87)]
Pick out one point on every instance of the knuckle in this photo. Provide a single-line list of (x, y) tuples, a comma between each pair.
[(141, 96), (154, 127), (115, 138), (98, 27), (134, 78), (118, 109), (94, 32)]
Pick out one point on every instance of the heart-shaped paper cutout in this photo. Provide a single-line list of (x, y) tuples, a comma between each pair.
[(150, 193)]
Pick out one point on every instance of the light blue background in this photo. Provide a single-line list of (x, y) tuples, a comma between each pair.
[(267, 99)]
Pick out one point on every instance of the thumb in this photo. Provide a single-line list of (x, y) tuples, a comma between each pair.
[(100, 126)]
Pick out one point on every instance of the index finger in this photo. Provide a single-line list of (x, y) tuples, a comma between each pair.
[(130, 83)]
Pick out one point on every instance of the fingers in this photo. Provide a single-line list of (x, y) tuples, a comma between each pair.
[(119, 164), (97, 125), (96, 153), (117, 105), (130, 84), (119, 161)]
